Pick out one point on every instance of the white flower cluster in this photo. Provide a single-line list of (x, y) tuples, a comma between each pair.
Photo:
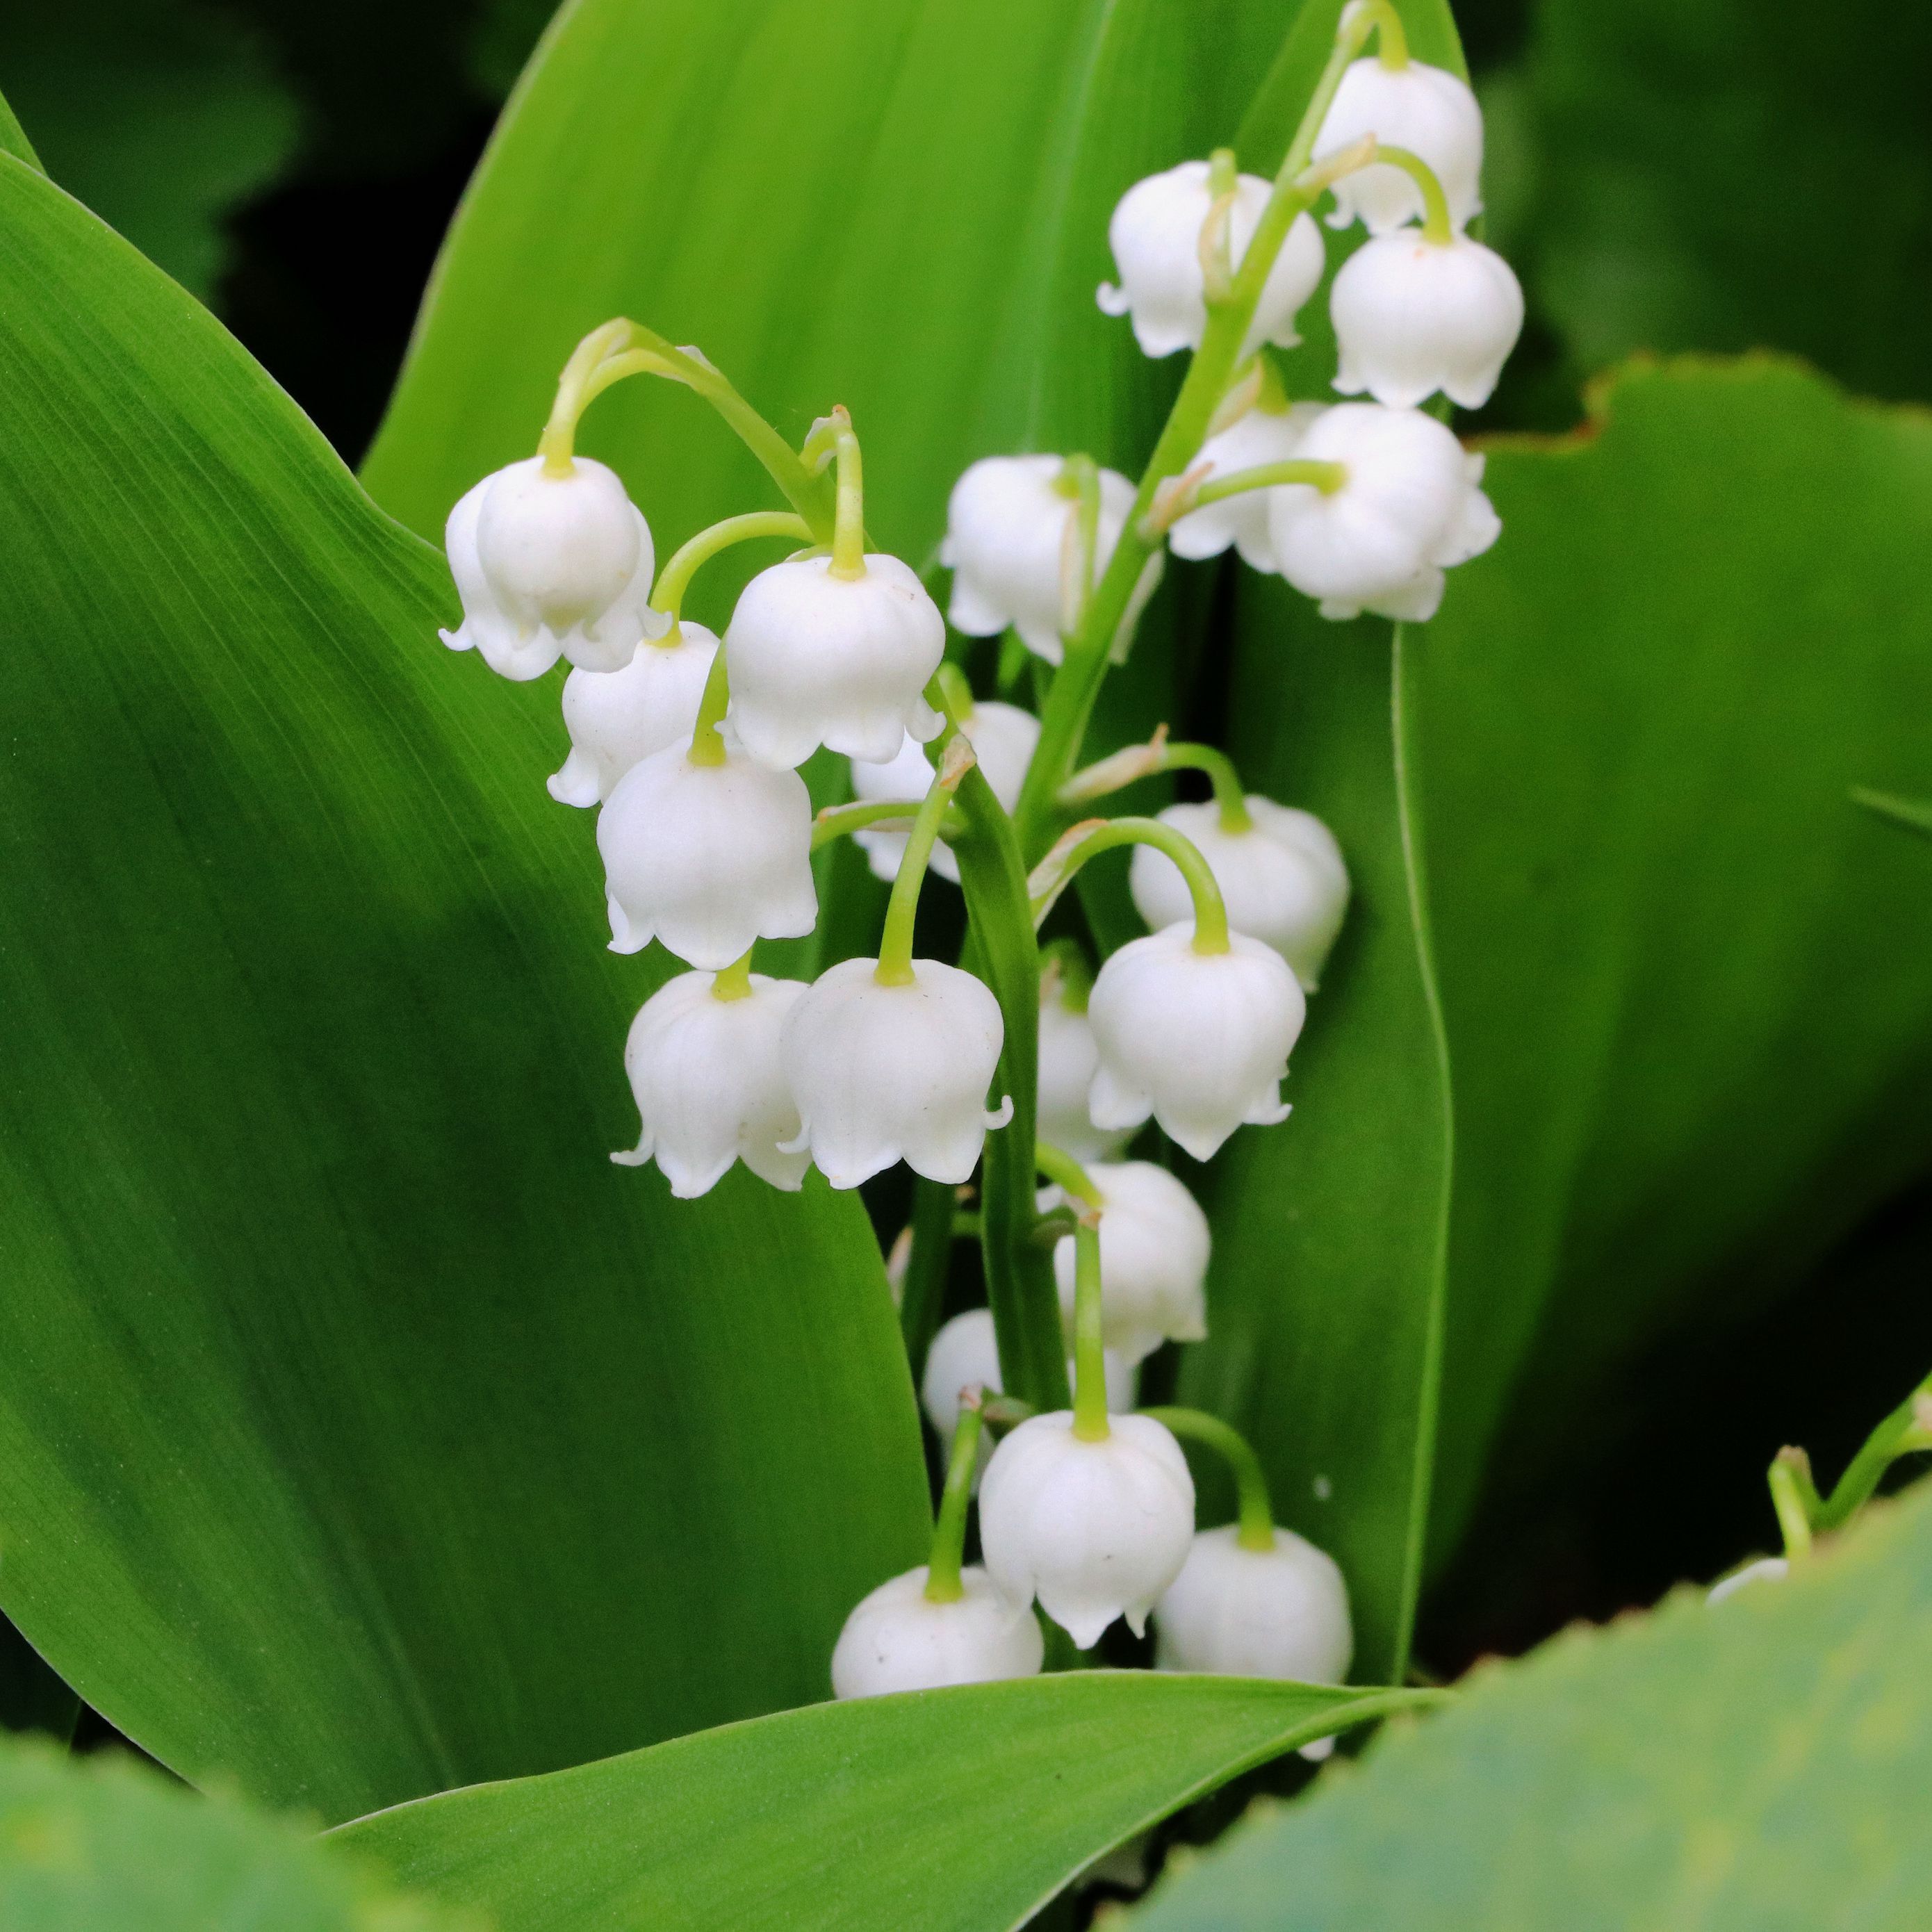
[(689, 745)]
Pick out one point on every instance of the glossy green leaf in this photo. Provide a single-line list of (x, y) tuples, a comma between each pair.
[(162, 116), (957, 1811), (1915, 812), (105, 1845), (363, 1430), (1684, 976), (1756, 1765)]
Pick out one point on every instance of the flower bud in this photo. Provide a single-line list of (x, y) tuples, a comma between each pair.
[(1095, 1530), (1156, 235), (550, 566), (1007, 540), (1425, 109), (1003, 737), (706, 858), (1068, 1061), (899, 1639), (818, 659), (1283, 878), (706, 1074), (1258, 437), (1282, 1612), (1198, 1040), (617, 718), (1412, 316), (1411, 506), (1154, 1246), (965, 1354), (883, 1073)]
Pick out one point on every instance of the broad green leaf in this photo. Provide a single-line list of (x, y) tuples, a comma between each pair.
[(1709, 174), (1684, 975), (1326, 1299), (161, 116), (1756, 1765), (13, 137), (959, 1810), (363, 1430), (106, 1845), (1915, 812)]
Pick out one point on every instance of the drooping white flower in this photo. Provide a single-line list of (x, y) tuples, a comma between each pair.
[(1411, 506), (883, 1073), (617, 718), (1282, 1612), (709, 1088), (706, 858), (1412, 316), (1003, 737), (1764, 1569), (1154, 1246), (1155, 234), (816, 659), (965, 1354), (1009, 542), (1095, 1530), (899, 1639), (1198, 1040), (1068, 1061), (1283, 878), (1425, 109), (1258, 437), (551, 566)]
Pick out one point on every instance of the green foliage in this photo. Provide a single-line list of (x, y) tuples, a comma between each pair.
[(1757, 1765), (104, 1845), (362, 1430), (161, 117), (1719, 175), (959, 1810)]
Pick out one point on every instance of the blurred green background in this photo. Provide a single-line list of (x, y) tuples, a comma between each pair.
[(1666, 174)]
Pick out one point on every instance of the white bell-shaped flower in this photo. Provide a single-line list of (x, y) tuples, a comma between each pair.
[(1008, 543), (1282, 1612), (899, 1639), (883, 1072), (1413, 316), (1095, 1530), (1258, 437), (965, 1354), (1154, 1246), (706, 858), (617, 718), (1411, 506), (1425, 109), (1155, 234), (551, 566), (1198, 1040), (1069, 1059), (816, 659), (708, 1085), (1283, 877), (1003, 737)]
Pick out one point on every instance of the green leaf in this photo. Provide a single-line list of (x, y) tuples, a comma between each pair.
[(1685, 156), (1756, 1765), (162, 116), (959, 1810), (363, 1430), (1915, 812), (1683, 978), (105, 1845)]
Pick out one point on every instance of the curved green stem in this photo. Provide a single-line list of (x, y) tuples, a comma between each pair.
[(557, 444), (1066, 960), (1056, 870), (895, 966), (1905, 1431), (1391, 37), (1090, 1360), (949, 1533), (957, 707), (734, 983), (1257, 1515), (848, 537), (674, 579), (1326, 477), (1235, 816), (1066, 1172), (1436, 225), (835, 820), (1792, 1519), (707, 742)]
